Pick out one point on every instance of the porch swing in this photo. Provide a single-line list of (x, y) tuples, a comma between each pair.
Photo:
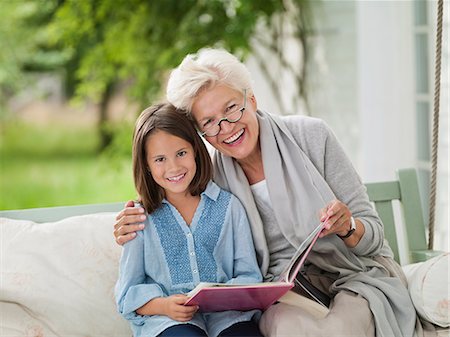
[(406, 191)]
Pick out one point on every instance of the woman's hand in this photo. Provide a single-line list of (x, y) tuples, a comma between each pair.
[(339, 223), (338, 218), (128, 221)]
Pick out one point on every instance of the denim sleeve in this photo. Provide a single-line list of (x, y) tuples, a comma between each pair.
[(134, 288), (246, 269)]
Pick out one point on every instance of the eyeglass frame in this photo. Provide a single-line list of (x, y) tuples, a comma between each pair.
[(204, 133)]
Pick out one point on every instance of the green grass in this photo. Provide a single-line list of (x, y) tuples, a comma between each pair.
[(54, 166)]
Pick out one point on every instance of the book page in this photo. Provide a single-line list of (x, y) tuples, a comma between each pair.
[(299, 257), (203, 285)]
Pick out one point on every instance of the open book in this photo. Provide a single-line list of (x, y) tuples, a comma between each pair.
[(222, 296)]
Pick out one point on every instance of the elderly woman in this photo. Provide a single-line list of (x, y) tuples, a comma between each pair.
[(291, 173)]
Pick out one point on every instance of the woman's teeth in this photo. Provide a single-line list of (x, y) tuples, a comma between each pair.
[(234, 137)]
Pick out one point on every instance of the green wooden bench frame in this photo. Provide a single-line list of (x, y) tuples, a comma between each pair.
[(406, 191), (382, 194)]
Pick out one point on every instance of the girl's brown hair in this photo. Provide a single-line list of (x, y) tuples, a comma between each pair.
[(165, 117)]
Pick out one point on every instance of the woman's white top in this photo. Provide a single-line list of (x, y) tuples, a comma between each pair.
[(280, 249)]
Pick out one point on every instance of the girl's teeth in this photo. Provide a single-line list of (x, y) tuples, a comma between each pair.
[(176, 178)]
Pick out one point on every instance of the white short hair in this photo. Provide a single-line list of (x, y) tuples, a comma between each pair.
[(206, 69)]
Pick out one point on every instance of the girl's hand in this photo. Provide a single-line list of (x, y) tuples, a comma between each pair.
[(338, 218), (128, 221), (173, 307)]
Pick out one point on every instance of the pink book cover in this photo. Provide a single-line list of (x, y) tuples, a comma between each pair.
[(239, 297), (221, 296)]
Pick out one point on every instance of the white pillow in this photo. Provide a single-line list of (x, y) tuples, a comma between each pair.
[(429, 287), (58, 278), (17, 322)]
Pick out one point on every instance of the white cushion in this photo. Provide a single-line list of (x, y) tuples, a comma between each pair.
[(429, 286), (17, 322), (58, 278)]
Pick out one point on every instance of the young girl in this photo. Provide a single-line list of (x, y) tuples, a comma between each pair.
[(195, 232)]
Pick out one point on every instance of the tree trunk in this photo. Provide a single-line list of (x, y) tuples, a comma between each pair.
[(105, 133)]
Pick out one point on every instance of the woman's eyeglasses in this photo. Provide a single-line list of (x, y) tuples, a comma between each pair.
[(212, 126)]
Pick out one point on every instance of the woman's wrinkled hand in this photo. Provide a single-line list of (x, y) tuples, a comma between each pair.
[(128, 221), (338, 221)]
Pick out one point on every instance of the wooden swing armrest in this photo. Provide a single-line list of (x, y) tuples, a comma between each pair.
[(423, 255)]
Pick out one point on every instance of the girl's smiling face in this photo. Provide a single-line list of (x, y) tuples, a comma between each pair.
[(171, 161)]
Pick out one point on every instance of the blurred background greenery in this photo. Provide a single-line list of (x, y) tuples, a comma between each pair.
[(77, 149), (43, 166)]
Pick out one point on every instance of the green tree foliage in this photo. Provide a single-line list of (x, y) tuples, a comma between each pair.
[(100, 43), (24, 47)]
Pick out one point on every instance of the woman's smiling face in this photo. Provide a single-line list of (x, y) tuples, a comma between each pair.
[(237, 140)]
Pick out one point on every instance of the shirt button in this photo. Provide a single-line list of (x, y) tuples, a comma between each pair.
[(189, 234), (195, 271), (192, 253)]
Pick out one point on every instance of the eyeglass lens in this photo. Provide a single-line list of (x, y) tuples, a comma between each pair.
[(232, 117)]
